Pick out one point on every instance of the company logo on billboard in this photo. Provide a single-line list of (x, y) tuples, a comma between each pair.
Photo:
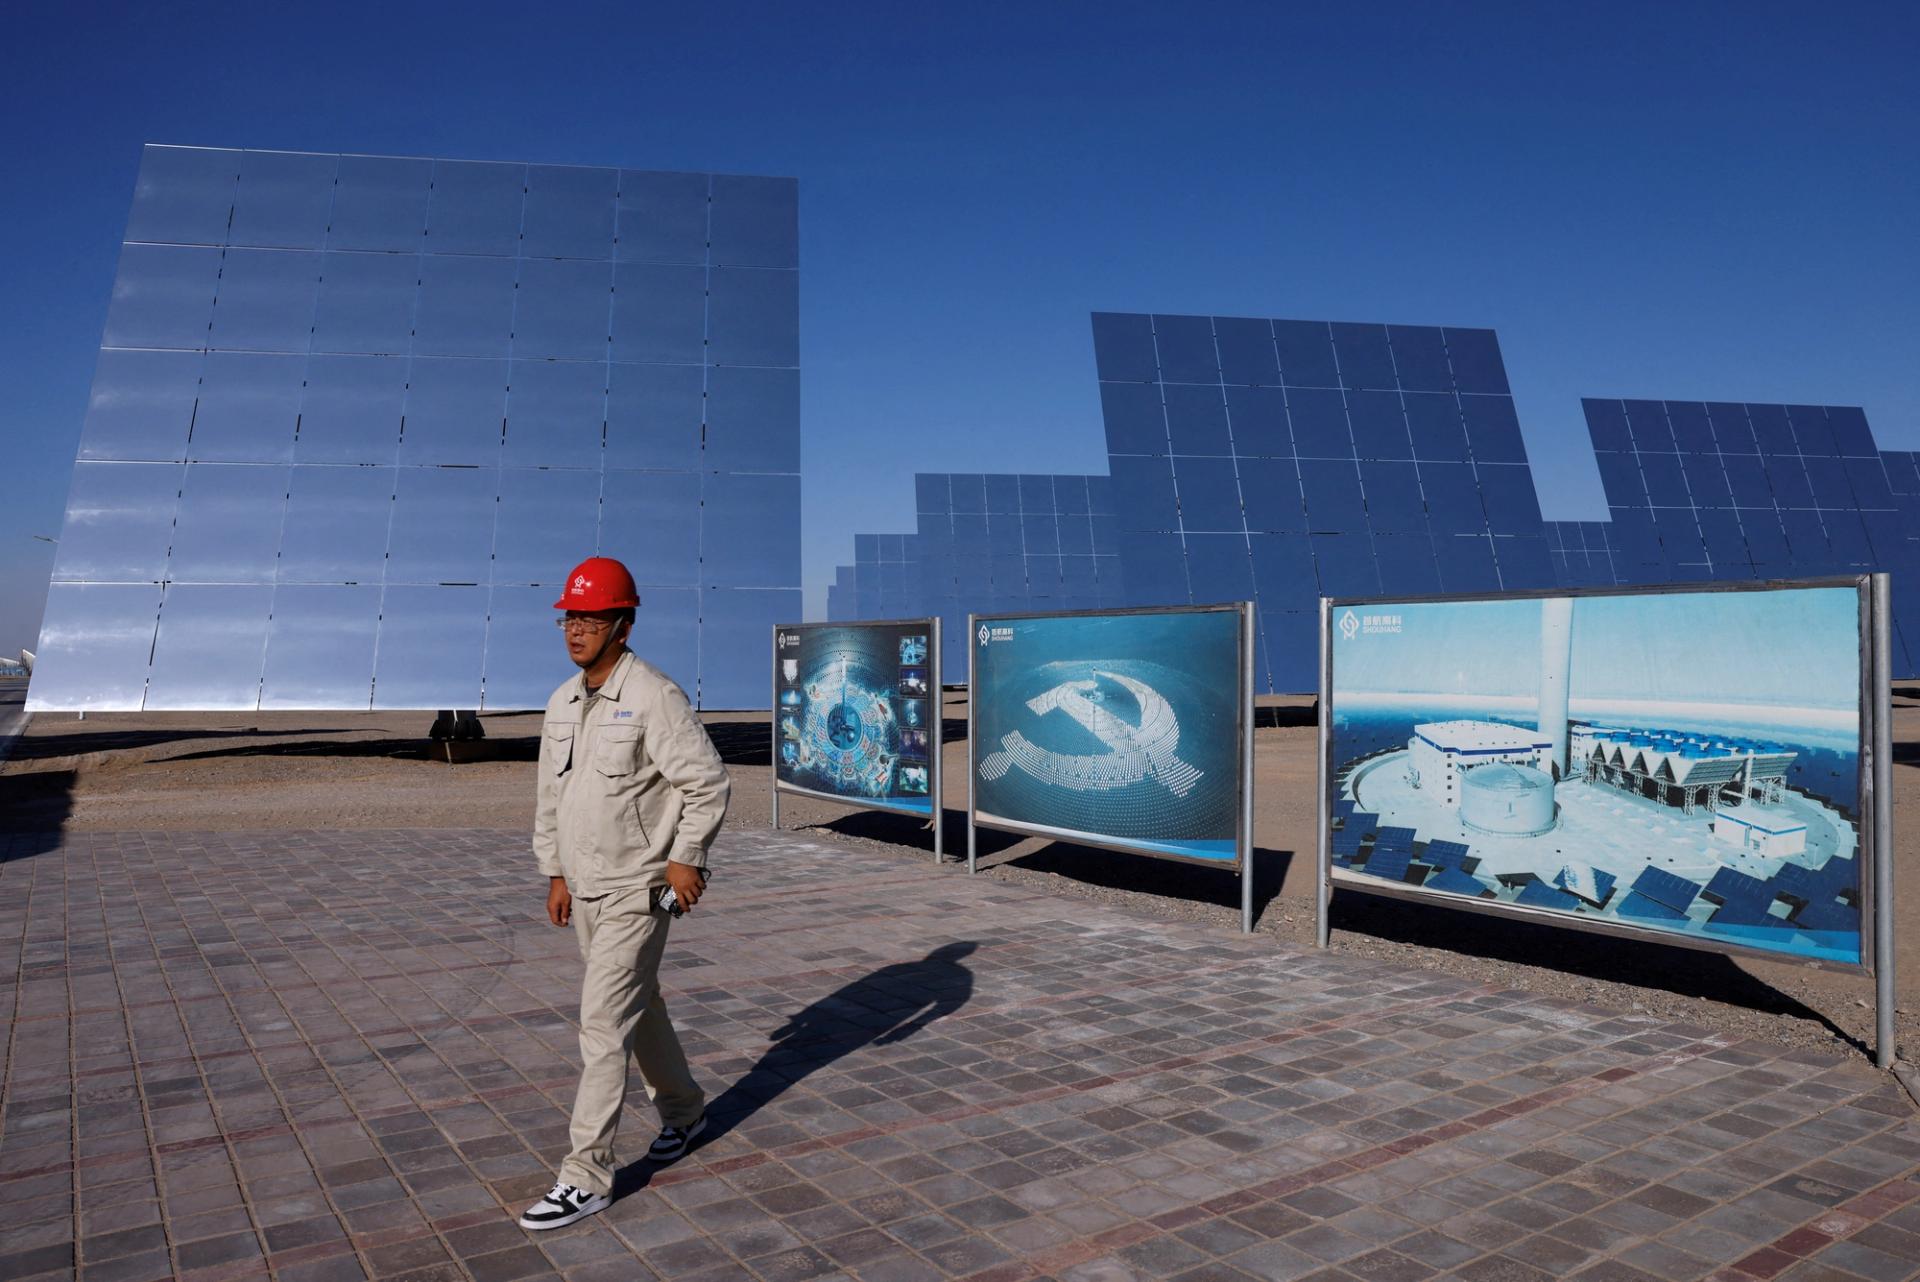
[(789, 640), (987, 634), (1352, 625)]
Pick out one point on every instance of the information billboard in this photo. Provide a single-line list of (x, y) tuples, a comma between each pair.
[(1127, 729), (856, 713), (1681, 764)]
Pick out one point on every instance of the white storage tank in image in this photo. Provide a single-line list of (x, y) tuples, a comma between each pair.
[(1510, 800)]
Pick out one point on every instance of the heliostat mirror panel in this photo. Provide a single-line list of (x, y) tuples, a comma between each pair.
[(355, 417)]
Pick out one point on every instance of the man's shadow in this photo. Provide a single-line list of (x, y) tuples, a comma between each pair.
[(887, 1006)]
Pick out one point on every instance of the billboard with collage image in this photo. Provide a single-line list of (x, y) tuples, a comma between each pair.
[(857, 712), (1122, 729), (1682, 764)]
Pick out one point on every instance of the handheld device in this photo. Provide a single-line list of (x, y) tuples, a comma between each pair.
[(670, 902)]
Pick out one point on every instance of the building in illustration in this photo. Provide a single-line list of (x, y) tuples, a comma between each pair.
[(355, 415), (1513, 801), (1442, 753), (1764, 830), (1690, 771)]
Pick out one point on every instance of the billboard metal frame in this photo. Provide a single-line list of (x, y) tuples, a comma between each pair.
[(936, 812), (1242, 863), (1873, 800)]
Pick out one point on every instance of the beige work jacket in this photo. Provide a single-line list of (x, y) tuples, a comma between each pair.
[(626, 785)]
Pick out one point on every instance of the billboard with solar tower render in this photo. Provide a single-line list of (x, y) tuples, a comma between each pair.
[(1683, 765)]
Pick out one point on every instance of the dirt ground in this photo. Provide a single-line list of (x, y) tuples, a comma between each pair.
[(308, 770)]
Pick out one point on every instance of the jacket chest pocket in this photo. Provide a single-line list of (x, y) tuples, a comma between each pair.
[(556, 746), (616, 750)]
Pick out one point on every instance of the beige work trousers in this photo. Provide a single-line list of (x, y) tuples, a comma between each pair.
[(622, 1015)]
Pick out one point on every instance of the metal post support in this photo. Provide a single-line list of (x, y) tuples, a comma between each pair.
[(1322, 838), (1246, 768), (773, 730), (1883, 978), (973, 689), (937, 753)]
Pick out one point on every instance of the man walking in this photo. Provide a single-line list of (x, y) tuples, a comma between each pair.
[(631, 793)]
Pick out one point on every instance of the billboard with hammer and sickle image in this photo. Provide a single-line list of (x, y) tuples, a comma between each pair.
[(1120, 729)]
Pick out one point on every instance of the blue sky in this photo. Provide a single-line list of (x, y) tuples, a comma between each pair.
[(1797, 649), (1681, 201)]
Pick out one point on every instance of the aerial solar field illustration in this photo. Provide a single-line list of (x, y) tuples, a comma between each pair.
[(851, 719), (1114, 728), (1683, 763)]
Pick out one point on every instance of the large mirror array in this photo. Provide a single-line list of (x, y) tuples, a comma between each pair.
[(1280, 460), (355, 416)]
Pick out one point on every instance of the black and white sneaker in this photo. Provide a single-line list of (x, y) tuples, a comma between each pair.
[(562, 1205), (674, 1141)]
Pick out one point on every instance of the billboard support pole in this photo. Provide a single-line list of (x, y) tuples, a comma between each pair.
[(1246, 768), (972, 864), (773, 729), (1883, 994), (1322, 838), (937, 697)]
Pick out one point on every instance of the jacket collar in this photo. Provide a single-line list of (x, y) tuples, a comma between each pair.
[(615, 680)]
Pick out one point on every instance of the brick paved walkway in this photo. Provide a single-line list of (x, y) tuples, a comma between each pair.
[(332, 1056)]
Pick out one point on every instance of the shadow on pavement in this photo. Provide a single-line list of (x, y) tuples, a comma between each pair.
[(1143, 874), (40, 747), (1287, 716), (514, 748), (895, 829), (743, 743), (1643, 964), (34, 807), (1108, 869), (890, 1005)]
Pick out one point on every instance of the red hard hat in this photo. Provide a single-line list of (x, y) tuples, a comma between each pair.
[(598, 583)]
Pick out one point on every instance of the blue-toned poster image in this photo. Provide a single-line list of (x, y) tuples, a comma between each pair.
[(1682, 763), (853, 712), (1120, 729)]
